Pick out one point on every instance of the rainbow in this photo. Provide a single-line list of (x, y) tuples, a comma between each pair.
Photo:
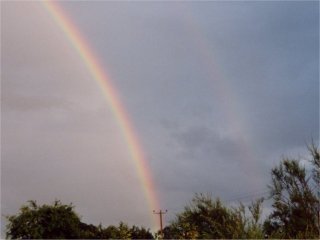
[(100, 76), (229, 102)]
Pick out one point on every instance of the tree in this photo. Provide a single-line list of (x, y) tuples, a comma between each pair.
[(89, 231), (111, 232), (205, 218), (60, 221), (254, 228), (46, 221), (123, 231), (120, 232), (140, 233), (295, 200)]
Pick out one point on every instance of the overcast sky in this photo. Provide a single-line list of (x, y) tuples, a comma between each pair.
[(217, 92)]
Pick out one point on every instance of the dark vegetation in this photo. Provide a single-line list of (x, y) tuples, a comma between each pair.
[(294, 190)]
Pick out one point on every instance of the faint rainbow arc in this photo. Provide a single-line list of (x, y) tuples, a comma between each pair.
[(222, 89), (109, 92)]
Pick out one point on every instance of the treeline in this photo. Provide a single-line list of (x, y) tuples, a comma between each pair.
[(60, 221), (294, 190), (206, 218)]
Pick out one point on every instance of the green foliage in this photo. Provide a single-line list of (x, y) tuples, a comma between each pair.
[(89, 231), (140, 233), (254, 227), (205, 218), (123, 231), (59, 221), (33, 221), (295, 203), (111, 232)]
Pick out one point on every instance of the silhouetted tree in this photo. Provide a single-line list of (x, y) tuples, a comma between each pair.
[(46, 221), (140, 233), (295, 200), (60, 221), (123, 231), (205, 218)]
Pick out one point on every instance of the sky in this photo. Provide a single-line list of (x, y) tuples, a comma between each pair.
[(217, 93)]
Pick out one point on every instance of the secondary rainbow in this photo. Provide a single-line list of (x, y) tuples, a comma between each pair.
[(231, 105), (100, 76)]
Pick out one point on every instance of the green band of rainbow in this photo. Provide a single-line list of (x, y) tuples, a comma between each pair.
[(121, 116)]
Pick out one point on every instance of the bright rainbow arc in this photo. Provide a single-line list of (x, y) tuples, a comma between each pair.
[(121, 116)]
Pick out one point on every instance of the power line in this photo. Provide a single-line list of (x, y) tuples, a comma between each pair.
[(252, 194), (263, 192)]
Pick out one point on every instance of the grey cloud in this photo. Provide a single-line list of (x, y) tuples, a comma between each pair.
[(205, 161), (21, 103), (201, 141)]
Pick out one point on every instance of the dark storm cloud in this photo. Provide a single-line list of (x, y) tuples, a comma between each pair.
[(200, 142), (277, 77)]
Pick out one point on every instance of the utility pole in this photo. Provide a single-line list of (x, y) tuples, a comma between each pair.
[(160, 214)]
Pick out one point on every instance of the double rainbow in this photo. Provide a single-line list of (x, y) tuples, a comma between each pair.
[(100, 76)]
